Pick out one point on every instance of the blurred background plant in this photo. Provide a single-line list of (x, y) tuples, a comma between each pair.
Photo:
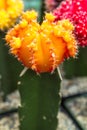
[(50, 5)]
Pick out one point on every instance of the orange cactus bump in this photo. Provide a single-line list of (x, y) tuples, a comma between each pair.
[(42, 47), (9, 11)]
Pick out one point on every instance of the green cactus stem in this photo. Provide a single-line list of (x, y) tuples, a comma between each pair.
[(9, 69), (40, 101), (6, 82)]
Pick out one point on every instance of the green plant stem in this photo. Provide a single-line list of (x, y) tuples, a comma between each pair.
[(40, 101)]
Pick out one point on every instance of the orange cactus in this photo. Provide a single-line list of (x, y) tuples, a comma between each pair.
[(42, 47), (9, 11)]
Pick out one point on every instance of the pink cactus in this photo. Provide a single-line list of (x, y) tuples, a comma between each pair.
[(76, 11)]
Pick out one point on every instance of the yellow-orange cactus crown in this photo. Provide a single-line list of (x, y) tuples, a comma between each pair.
[(9, 11), (42, 47)]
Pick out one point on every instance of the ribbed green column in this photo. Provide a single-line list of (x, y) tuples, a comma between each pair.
[(9, 68), (40, 101), (5, 71)]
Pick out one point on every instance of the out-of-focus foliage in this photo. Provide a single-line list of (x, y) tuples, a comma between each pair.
[(77, 67)]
